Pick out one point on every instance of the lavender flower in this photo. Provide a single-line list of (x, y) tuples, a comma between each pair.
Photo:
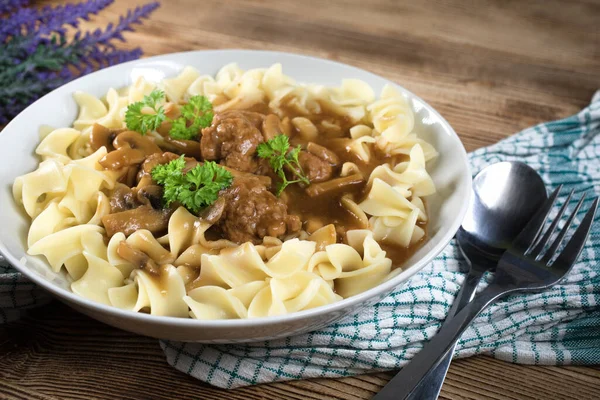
[(37, 57), (7, 6)]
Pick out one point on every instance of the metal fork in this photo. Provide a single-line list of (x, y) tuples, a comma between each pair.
[(524, 267)]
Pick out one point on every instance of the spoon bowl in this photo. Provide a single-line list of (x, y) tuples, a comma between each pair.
[(505, 195)]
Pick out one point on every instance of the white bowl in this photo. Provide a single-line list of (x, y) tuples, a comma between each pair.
[(450, 172)]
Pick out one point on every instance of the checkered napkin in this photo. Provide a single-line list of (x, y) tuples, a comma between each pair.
[(557, 327), (17, 294)]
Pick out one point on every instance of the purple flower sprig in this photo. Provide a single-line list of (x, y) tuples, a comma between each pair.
[(36, 56), (7, 6)]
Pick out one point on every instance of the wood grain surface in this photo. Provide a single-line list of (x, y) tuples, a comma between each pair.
[(490, 67)]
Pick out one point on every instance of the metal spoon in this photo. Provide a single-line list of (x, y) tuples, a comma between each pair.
[(505, 196)]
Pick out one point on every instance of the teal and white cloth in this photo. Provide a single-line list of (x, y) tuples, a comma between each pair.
[(558, 327), (17, 294)]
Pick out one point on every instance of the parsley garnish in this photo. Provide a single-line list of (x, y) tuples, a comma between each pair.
[(196, 114), (137, 120), (196, 189), (199, 111), (277, 151), (154, 97)]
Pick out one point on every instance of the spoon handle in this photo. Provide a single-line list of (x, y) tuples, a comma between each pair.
[(412, 374), (430, 386)]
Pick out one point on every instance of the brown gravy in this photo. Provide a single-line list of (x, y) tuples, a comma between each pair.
[(320, 210), (328, 208)]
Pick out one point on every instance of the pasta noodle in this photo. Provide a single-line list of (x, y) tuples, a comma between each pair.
[(164, 296), (185, 270)]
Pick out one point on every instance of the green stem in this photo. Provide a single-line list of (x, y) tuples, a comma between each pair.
[(298, 174)]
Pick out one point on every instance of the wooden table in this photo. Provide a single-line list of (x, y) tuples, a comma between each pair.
[(490, 67)]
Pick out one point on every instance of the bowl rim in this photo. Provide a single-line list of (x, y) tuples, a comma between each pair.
[(357, 299)]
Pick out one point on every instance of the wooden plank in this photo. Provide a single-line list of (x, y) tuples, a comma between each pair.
[(58, 352), (10, 391), (491, 68)]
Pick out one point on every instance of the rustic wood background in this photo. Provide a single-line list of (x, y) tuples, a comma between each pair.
[(490, 67)]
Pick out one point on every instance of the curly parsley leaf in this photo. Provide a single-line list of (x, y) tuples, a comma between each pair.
[(172, 170), (195, 105), (153, 98), (196, 189), (180, 130), (137, 117), (292, 156), (277, 152), (195, 115)]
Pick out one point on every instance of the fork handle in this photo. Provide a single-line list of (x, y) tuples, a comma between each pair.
[(431, 385), (412, 374)]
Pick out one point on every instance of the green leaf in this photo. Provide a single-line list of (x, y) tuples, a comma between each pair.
[(153, 98), (162, 172), (137, 120), (180, 130), (277, 152), (198, 111), (201, 103), (205, 120), (293, 155), (196, 189), (264, 150), (280, 144)]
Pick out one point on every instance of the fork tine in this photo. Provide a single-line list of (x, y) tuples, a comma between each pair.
[(542, 242), (563, 231), (567, 257), (531, 232)]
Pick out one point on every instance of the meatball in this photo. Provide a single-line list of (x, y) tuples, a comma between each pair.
[(252, 212), (233, 138), (315, 168)]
